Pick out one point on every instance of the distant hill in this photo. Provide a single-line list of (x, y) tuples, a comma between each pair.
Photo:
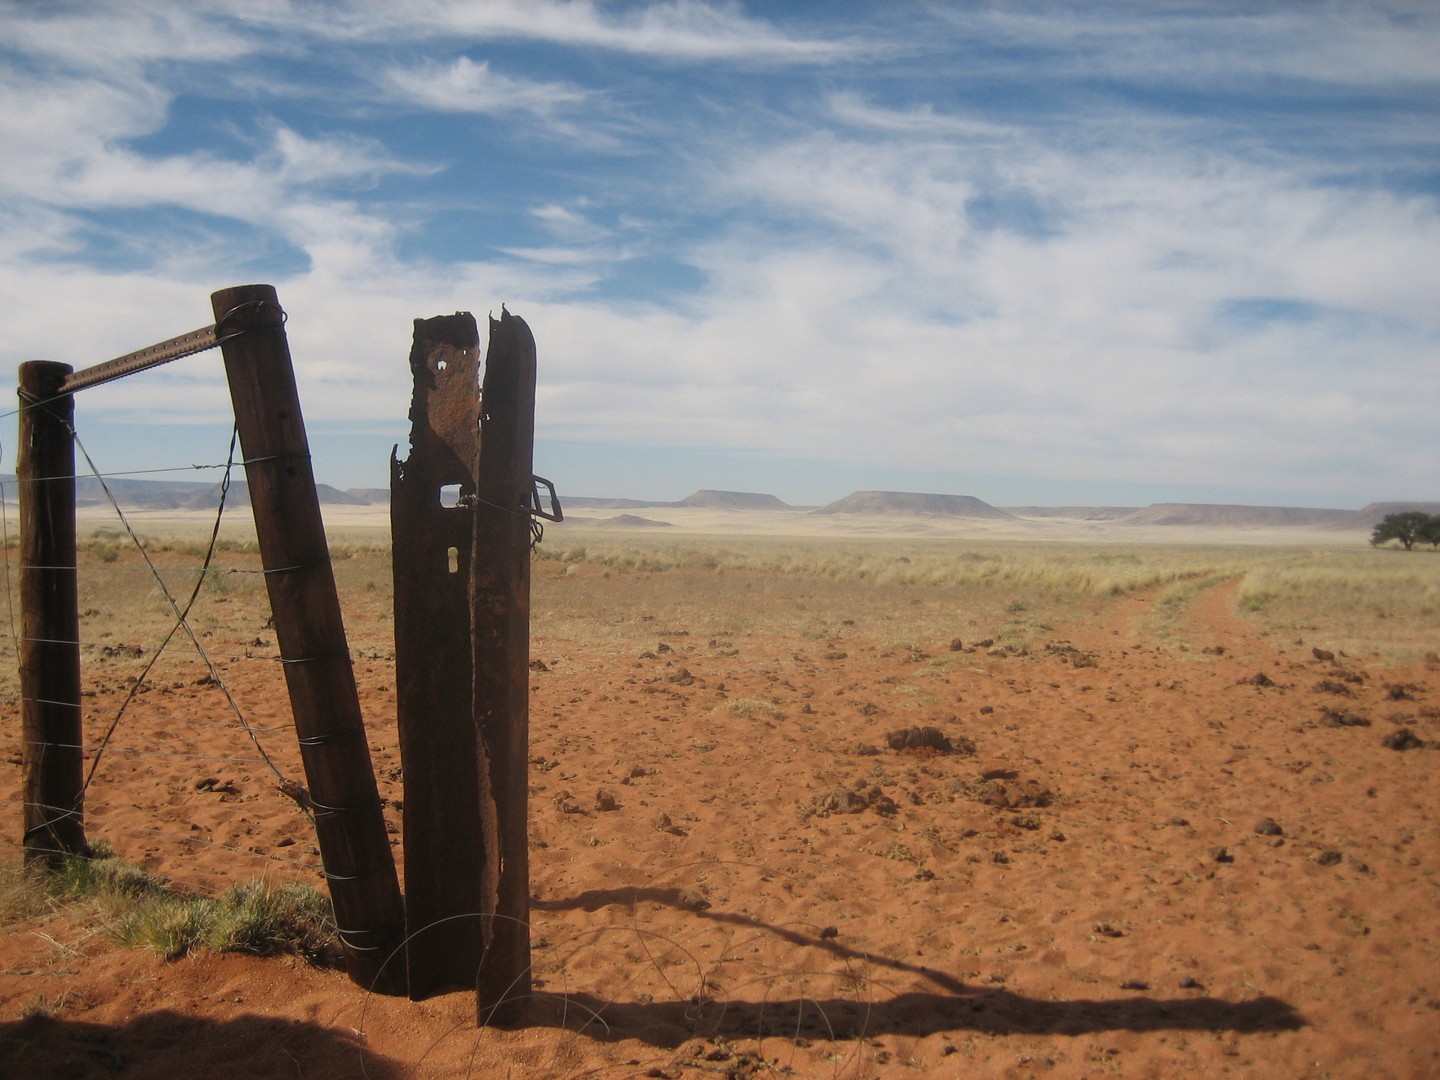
[(630, 521), (1370, 516), (588, 502), (732, 500), (1228, 516), (910, 502), (1075, 513), (185, 495), (370, 496), (203, 495), (188, 494), (704, 498)]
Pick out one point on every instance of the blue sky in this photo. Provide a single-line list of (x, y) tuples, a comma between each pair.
[(1101, 253)]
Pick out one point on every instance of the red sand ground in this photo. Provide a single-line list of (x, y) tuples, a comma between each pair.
[(777, 892)]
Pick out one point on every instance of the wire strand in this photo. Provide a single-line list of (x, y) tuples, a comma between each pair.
[(180, 614)]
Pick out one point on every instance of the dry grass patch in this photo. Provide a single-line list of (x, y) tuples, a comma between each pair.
[(142, 910), (1362, 601)]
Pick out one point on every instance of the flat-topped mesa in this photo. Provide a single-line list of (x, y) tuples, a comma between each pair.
[(896, 503), (732, 500)]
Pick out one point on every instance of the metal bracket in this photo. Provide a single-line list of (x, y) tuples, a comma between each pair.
[(537, 507)]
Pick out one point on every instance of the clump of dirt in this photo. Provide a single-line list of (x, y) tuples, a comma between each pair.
[(1403, 739), (1065, 651), (1011, 793), (1336, 718), (928, 738), (719, 1057), (858, 798)]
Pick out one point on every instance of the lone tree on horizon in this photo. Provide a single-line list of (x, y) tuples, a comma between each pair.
[(1409, 527)]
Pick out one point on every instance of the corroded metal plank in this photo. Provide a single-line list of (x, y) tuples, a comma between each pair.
[(501, 638), (432, 522)]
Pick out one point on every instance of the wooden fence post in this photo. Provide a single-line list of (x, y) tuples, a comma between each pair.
[(500, 631), (349, 825), (52, 757)]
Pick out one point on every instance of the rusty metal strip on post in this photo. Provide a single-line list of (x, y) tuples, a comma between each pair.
[(196, 341)]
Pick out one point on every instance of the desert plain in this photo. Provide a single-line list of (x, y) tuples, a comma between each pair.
[(864, 798)]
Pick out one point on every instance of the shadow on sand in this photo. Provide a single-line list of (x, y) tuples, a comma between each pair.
[(952, 1006), (164, 1045)]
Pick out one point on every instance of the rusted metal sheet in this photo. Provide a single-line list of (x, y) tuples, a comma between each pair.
[(461, 509), (432, 524), (500, 625)]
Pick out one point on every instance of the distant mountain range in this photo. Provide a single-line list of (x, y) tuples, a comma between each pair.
[(918, 504), (191, 495)]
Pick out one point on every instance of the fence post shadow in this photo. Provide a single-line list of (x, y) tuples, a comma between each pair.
[(952, 1004)]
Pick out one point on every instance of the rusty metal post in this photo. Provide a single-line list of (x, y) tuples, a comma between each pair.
[(349, 825), (432, 520), (52, 755), (500, 630)]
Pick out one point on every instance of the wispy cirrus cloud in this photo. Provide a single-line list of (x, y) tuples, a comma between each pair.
[(684, 30), (469, 87)]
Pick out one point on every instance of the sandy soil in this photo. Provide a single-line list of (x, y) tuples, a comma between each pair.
[(1133, 860)]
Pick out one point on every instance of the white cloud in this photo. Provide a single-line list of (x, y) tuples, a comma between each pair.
[(465, 86), (684, 30), (116, 40), (303, 161), (885, 272)]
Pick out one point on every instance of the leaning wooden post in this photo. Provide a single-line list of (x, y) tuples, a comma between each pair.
[(52, 758), (500, 632), (354, 848)]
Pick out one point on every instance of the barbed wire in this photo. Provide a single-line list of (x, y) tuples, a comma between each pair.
[(180, 615), (180, 612), (117, 474)]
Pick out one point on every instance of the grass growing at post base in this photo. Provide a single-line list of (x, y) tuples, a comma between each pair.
[(142, 910)]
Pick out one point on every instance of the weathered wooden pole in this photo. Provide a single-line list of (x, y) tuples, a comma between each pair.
[(500, 631), (52, 758), (432, 540), (349, 825)]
